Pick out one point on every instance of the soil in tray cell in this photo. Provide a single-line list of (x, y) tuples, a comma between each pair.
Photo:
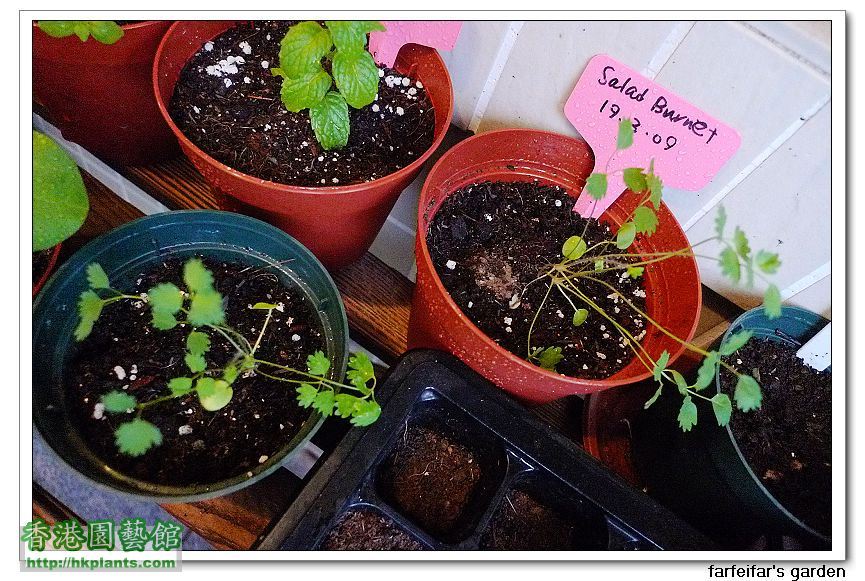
[(367, 530), (125, 353), (227, 102), (489, 243), (788, 441)]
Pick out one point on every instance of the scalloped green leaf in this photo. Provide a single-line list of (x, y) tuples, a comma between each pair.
[(165, 297), (596, 185), (206, 308), (635, 179), (365, 412), (356, 76), (324, 402), (306, 91), (306, 394), (687, 414), (720, 221), (747, 394), (706, 372), (137, 437), (197, 277), (625, 136), (768, 262), (645, 220), (722, 407), (117, 402), (318, 363), (735, 342), (89, 309), (180, 385), (198, 343), (661, 365), (772, 302), (303, 47), (730, 266), (96, 276)]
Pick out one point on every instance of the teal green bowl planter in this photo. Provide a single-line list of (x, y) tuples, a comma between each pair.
[(126, 251), (702, 474)]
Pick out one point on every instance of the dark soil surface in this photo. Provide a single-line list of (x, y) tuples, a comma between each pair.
[(430, 479), (125, 353), (239, 119), (41, 260), (366, 530), (788, 441), (521, 523), (498, 237)]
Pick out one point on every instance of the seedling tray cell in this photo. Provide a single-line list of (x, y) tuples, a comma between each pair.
[(456, 464)]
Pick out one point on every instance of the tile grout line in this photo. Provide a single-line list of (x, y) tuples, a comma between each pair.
[(758, 160), (498, 66), (667, 48), (821, 272), (789, 51)]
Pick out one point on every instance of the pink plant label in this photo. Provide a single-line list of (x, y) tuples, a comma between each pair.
[(439, 34), (688, 145)]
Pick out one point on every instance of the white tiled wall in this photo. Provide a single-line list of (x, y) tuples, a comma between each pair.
[(769, 80)]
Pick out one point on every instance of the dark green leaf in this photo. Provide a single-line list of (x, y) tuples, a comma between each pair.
[(318, 364), (720, 221), (96, 277), (706, 372), (625, 138), (722, 407), (214, 394), (180, 385), (768, 262), (687, 414), (580, 316), (206, 308), (573, 248), (302, 48), (772, 302), (748, 395), (89, 309), (137, 437), (661, 365), (365, 413), (625, 236), (165, 297), (596, 185), (60, 202), (330, 121), (198, 343), (118, 402), (305, 91), (635, 179), (306, 395), (645, 220), (730, 266), (735, 342), (106, 31)]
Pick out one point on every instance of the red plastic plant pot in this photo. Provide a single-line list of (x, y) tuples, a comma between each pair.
[(101, 96), (673, 286), (338, 223)]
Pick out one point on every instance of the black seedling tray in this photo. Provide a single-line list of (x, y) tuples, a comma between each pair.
[(433, 391)]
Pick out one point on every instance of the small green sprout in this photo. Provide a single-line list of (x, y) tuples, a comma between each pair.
[(104, 31), (583, 262), (306, 84), (201, 305)]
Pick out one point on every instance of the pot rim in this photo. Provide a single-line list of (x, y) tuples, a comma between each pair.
[(741, 322), (172, 493), (422, 253), (281, 188), (132, 26)]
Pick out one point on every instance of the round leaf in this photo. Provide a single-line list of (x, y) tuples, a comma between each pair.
[(625, 236), (60, 202), (214, 394), (118, 402), (580, 316), (573, 248)]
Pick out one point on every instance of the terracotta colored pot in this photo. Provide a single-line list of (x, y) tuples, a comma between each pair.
[(674, 292), (338, 223), (101, 96), (49, 268)]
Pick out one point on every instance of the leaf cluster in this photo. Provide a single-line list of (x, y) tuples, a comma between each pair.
[(104, 31)]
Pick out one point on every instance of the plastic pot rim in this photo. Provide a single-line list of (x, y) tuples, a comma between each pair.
[(422, 253), (278, 187)]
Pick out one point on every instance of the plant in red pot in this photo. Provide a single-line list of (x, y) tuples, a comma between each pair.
[(294, 123), (98, 91), (545, 303)]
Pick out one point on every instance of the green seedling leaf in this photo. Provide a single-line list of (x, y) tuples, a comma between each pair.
[(162, 320), (214, 394), (365, 412), (317, 364), (118, 402), (137, 437), (654, 398), (197, 277), (730, 266), (324, 401), (735, 342), (60, 202), (681, 384), (656, 189), (180, 385), (82, 29), (57, 28), (768, 262), (747, 394), (351, 34), (89, 309), (720, 221), (599, 264), (305, 91), (303, 47), (740, 243), (573, 248), (360, 371), (596, 185), (356, 76), (722, 407), (306, 395), (206, 308), (550, 357), (645, 220), (635, 271), (229, 374), (580, 316), (195, 363), (165, 298), (264, 306), (345, 405), (96, 277), (625, 138), (197, 343), (103, 31), (635, 179), (106, 31), (330, 121), (687, 414), (772, 302), (661, 365), (706, 372), (625, 236)]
